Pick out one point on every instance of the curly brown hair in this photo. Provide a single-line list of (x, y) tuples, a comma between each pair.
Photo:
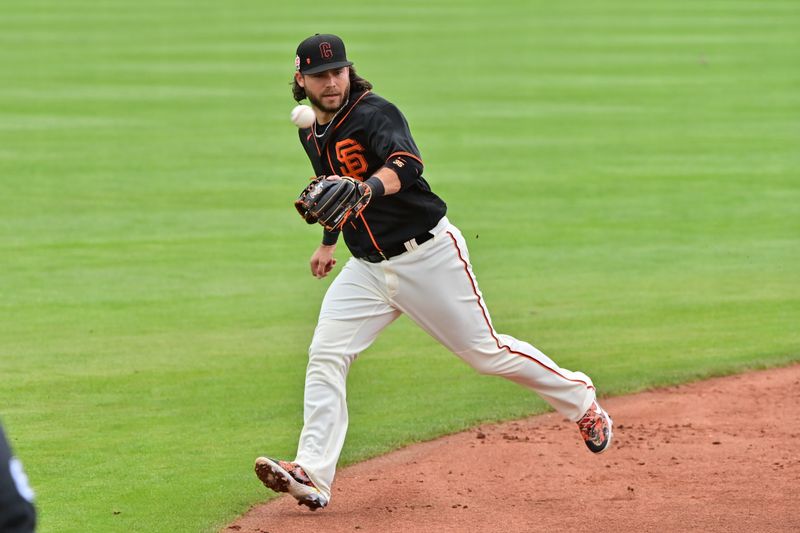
[(357, 84)]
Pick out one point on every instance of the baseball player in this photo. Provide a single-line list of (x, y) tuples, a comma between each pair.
[(17, 514), (407, 257)]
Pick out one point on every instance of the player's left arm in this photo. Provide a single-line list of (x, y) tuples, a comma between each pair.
[(389, 179), (390, 138), (386, 180)]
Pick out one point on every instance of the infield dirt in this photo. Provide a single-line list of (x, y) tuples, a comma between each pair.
[(718, 455)]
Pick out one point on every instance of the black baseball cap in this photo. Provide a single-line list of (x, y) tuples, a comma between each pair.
[(320, 52)]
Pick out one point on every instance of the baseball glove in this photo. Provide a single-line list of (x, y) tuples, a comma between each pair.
[(331, 202)]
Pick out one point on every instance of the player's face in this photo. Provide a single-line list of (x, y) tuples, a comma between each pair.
[(327, 90)]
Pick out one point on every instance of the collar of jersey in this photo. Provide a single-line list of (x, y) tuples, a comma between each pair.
[(355, 98)]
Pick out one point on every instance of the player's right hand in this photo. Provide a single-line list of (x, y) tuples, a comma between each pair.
[(322, 261)]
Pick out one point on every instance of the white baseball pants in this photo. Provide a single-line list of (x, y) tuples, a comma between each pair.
[(434, 285)]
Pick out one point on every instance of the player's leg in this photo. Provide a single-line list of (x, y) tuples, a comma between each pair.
[(353, 313), (438, 290)]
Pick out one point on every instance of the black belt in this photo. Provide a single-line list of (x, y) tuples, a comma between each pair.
[(392, 251)]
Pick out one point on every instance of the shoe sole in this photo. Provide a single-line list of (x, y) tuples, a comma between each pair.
[(276, 478), (610, 435)]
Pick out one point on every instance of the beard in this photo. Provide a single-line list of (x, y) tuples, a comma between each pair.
[(319, 102)]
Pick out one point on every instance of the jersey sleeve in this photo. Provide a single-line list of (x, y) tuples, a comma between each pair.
[(390, 139)]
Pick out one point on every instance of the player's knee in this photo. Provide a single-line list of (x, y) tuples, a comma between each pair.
[(320, 345), (483, 357), (322, 356), (482, 362), (484, 367)]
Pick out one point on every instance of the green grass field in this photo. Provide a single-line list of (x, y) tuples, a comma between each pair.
[(626, 173)]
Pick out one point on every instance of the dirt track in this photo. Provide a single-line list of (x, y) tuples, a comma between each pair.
[(719, 455)]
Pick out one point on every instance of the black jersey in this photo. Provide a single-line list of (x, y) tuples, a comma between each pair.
[(365, 135)]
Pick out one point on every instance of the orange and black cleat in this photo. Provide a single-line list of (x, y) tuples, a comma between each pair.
[(595, 427), (283, 476)]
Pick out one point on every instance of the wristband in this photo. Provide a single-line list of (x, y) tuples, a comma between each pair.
[(375, 185)]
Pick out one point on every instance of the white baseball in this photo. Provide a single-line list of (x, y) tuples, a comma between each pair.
[(303, 116)]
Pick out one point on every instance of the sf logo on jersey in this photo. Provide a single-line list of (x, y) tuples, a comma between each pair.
[(351, 155)]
